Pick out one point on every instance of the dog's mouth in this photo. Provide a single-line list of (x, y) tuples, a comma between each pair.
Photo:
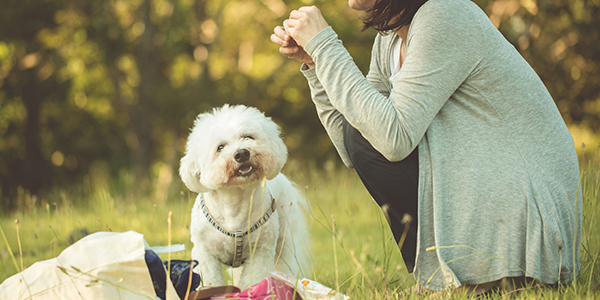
[(245, 170)]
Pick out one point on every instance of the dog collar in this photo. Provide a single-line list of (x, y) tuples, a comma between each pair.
[(238, 235)]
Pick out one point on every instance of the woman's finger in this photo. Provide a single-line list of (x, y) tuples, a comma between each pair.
[(303, 10), (308, 10), (277, 40), (289, 23), (295, 14), (304, 24), (283, 35), (280, 32), (287, 51), (287, 27)]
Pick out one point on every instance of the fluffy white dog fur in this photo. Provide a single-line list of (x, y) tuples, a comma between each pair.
[(228, 154)]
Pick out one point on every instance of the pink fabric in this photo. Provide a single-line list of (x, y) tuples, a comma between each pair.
[(268, 289)]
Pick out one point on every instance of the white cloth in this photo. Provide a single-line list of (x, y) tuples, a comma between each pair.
[(103, 265), (395, 57)]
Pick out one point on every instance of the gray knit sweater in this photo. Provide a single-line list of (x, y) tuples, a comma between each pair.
[(498, 172)]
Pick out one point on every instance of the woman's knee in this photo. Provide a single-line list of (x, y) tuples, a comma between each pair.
[(356, 145)]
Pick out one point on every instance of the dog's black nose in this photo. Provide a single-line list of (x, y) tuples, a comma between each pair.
[(241, 155)]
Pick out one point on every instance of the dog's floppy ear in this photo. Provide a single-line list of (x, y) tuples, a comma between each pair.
[(277, 147), (189, 170), (280, 153)]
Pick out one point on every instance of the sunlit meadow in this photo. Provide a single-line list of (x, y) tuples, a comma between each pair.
[(354, 251)]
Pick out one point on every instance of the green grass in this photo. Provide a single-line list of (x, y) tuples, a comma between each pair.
[(354, 251)]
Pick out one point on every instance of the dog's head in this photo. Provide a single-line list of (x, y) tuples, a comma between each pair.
[(231, 146)]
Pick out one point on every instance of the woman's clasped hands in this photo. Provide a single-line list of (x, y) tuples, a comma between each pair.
[(303, 24)]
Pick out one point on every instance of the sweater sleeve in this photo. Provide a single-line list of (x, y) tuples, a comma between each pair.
[(331, 118), (442, 50)]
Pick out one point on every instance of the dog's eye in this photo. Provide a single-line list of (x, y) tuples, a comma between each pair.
[(248, 137), (220, 148)]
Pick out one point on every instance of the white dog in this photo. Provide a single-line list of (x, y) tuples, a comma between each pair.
[(229, 153)]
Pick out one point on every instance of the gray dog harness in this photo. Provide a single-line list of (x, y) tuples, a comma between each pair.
[(238, 235)]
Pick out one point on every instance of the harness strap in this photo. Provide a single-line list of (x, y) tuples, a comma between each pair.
[(238, 235)]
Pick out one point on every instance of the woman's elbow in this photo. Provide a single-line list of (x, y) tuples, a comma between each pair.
[(395, 154)]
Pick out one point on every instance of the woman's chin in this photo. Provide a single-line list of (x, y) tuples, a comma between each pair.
[(354, 5)]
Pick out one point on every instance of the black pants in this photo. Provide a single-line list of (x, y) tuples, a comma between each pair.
[(394, 184)]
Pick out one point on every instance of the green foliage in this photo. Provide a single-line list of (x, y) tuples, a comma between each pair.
[(118, 83)]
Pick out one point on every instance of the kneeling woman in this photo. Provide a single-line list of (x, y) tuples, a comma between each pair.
[(453, 128)]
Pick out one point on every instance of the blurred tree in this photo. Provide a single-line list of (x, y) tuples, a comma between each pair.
[(27, 82), (118, 83)]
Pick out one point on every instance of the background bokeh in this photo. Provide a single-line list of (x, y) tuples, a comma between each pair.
[(112, 86)]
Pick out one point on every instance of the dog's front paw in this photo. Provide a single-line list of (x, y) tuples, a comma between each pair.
[(211, 278), (209, 268)]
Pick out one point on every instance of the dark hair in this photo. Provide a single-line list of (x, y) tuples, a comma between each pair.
[(386, 15)]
